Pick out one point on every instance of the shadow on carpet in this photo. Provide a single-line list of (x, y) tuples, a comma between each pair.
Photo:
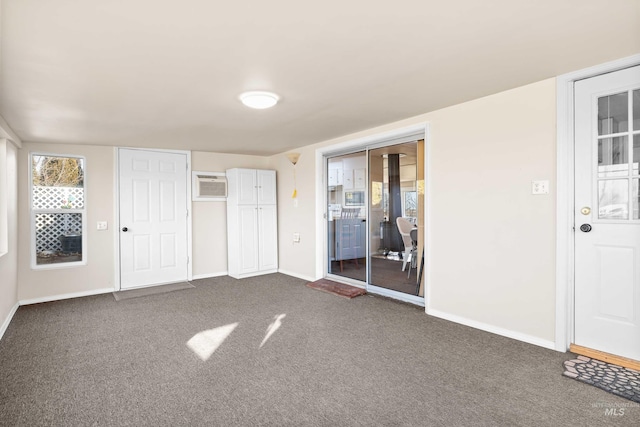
[(151, 290), (615, 379), (336, 288)]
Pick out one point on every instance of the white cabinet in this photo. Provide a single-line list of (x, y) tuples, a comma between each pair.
[(347, 180), (335, 176), (252, 223), (360, 178)]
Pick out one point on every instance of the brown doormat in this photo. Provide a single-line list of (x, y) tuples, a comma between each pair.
[(336, 288)]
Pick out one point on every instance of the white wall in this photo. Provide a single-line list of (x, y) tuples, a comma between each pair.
[(9, 261), (297, 259), (98, 274), (492, 260), (210, 218)]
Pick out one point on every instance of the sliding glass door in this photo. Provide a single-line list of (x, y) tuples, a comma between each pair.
[(346, 215), (393, 218), (375, 218)]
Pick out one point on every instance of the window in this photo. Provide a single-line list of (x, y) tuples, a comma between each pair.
[(57, 210), (410, 204), (4, 191)]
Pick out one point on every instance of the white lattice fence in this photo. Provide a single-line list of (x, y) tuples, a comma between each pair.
[(58, 197), (50, 226)]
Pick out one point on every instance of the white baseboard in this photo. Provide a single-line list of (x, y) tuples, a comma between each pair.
[(66, 296), (296, 275), (6, 322), (209, 275), (551, 345)]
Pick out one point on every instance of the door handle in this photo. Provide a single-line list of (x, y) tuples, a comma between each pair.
[(125, 229), (585, 228)]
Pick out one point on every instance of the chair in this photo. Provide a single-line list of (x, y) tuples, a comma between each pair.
[(350, 213), (404, 227)]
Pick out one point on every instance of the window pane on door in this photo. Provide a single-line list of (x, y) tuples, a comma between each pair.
[(636, 154), (635, 199), (636, 109), (613, 157), (613, 114), (613, 199)]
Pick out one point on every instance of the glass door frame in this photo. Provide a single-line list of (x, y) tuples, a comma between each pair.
[(366, 144)]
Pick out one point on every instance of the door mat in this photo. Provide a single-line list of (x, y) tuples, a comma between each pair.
[(615, 379), (152, 290), (336, 288)]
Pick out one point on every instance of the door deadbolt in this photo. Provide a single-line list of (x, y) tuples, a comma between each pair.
[(585, 211), (585, 228)]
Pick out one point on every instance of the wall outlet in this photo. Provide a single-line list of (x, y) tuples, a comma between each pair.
[(540, 187), (102, 225), (296, 237)]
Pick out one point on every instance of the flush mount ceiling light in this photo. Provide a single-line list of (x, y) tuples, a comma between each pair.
[(259, 100)]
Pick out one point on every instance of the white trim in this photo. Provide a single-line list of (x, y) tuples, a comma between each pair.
[(8, 319), (66, 296), (116, 203), (493, 329), (296, 275), (321, 214), (33, 212), (4, 198), (116, 220), (210, 275), (565, 197), (7, 132), (427, 217), (189, 204)]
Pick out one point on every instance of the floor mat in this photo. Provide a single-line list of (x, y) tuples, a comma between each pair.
[(152, 290), (336, 288), (612, 378)]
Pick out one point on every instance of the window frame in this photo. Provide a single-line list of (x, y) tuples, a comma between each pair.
[(34, 212), (4, 195)]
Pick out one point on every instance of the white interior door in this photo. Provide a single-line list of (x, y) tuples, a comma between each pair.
[(153, 218), (607, 215)]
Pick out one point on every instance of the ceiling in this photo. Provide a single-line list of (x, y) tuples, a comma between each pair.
[(167, 74)]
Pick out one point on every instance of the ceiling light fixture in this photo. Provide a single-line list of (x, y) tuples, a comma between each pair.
[(259, 100)]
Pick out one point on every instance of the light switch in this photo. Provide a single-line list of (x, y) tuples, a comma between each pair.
[(540, 187), (102, 225), (296, 237)]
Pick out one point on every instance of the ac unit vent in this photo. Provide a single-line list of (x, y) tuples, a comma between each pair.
[(210, 186)]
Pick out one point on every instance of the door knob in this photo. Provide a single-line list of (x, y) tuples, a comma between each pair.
[(585, 228), (125, 229)]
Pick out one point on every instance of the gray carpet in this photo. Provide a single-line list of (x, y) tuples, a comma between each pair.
[(152, 290), (270, 351)]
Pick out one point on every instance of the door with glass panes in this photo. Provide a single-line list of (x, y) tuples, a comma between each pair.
[(607, 215)]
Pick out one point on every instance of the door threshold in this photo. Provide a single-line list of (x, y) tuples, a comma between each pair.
[(605, 357)]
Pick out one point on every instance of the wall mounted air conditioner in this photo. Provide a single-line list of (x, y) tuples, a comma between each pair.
[(209, 186)]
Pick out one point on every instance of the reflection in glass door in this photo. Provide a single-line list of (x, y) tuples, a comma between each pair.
[(346, 215), (395, 218)]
